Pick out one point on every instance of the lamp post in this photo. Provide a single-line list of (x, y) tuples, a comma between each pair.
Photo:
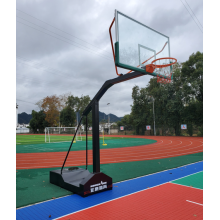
[(59, 122), (108, 118), (154, 118), (16, 115)]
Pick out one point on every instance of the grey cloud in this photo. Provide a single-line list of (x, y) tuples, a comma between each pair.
[(50, 66)]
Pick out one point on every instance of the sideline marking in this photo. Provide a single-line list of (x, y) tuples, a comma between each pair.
[(165, 170), (194, 202), (185, 185), (187, 175)]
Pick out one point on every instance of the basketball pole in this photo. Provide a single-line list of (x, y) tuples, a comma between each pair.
[(61, 177)]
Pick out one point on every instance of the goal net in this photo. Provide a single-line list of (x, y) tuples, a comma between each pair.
[(62, 134)]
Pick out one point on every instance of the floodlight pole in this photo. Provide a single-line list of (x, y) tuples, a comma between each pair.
[(108, 118), (59, 122), (154, 118)]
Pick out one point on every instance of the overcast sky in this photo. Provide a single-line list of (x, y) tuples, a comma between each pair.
[(64, 46)]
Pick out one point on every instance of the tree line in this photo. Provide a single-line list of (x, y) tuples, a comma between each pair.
[(60, 111), (175, 103)]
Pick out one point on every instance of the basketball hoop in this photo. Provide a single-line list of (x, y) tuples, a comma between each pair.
[(163, 70)]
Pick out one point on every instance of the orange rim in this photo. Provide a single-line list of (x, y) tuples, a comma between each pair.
[(164, 65)]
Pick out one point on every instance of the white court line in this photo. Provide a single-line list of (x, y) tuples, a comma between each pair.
[(80, 160), (133, 154), (132, 151), (51, 160), (166, 170), (185, 185), (190, 174), (194, 202)]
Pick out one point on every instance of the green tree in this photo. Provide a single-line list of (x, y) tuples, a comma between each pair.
[(67, 117), (82, 104), (192, 75), (78, 105), (73, 102), (127, 122), (52, 106), (119, 123), (141, 110), (159, 92), (38, 121), (175, 101)]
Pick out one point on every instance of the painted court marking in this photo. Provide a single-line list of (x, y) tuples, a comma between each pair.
[(189, 175), (185, 185), (194, 202)]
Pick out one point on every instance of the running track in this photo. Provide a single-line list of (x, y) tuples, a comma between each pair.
[(165, 147)]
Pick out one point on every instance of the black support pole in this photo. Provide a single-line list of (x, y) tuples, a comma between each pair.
[(79, 180), (71, 145), (95, 137)]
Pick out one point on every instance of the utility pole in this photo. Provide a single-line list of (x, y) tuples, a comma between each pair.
[(59, 122), (16, 115), (108, 118), (154, 118)]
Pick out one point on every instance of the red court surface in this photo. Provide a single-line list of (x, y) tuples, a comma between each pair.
[(165, 147), (167, 201)]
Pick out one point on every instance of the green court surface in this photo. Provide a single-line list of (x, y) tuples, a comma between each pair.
[(194, 180), (33, 185), (40, 139), (112, 142)]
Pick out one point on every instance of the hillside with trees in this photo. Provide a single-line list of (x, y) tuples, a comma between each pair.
[(24, 118)]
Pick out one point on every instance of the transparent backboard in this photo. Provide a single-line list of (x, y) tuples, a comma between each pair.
[(138, 45)]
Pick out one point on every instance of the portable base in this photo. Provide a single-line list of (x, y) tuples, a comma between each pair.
[(81, 181)]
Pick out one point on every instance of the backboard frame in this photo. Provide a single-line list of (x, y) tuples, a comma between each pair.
[(116, 45)]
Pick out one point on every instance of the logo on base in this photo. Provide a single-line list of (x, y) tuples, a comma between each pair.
[(98, 187)]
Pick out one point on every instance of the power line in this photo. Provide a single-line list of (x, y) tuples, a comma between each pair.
[(40, 82), (65, 41), (61, 30), (40, 66), (25, 101), (193, 13), (63, 37), (192, 16)]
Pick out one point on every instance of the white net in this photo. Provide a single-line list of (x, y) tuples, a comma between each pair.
[(62, 134), (165, 71), (164, 74)]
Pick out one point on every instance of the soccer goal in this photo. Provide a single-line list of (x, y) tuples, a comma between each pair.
[(62, 134)]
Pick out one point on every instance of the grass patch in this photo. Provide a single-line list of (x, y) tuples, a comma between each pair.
[(111, 142)]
